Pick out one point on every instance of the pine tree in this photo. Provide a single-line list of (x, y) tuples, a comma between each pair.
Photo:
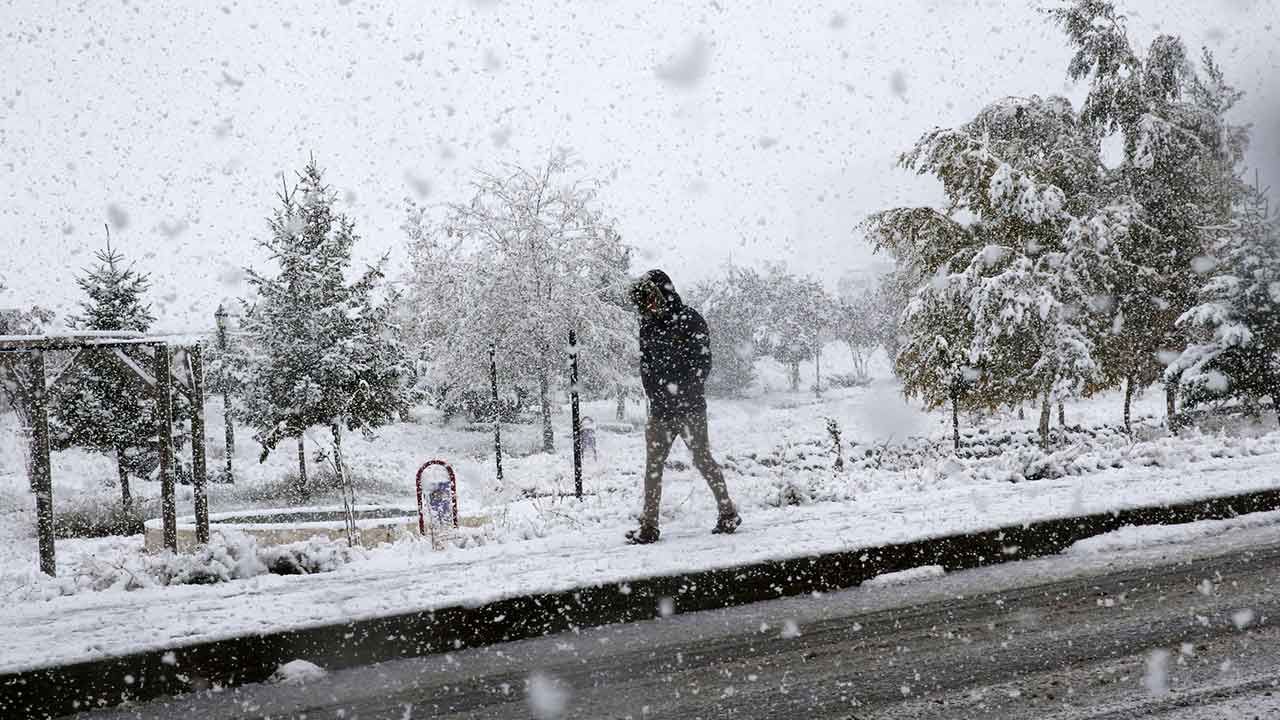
[(319, 350), (1238, 316), (103, 405)]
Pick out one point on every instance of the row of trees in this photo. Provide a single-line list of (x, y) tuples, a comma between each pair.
[(776, 314), (495, 286), (314, 348), (1051, 275)]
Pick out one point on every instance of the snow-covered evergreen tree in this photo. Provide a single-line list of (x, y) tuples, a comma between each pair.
[(318, 350), (1238, 317), (102, 404), (528, 258), (1179, 175)]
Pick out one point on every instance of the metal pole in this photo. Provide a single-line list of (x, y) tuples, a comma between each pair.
[(577, 419), (40, 464), (164, 438), (199, 472), (497, 410)]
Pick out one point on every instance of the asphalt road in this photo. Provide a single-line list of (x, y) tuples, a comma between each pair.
[(1177, 634)]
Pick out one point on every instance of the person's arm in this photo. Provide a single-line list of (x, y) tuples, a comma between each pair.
[(647, 379)]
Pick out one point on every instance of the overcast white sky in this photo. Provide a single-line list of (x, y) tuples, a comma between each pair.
[(744, 130)]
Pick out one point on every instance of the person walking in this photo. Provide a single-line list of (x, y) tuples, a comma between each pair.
[(675, 360)]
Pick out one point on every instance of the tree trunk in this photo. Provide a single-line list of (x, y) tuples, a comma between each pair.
[(344, 485), (621, 414), (1062, 416), (229, 435), (544, 397), (126, 498), (1273, 389), (1046, 412), (1171, 406), (497, 412), (955, 420), (1128, 404), (302, 463), (817, 371)]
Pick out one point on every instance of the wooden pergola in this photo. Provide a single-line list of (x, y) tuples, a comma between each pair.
[(130, 351)]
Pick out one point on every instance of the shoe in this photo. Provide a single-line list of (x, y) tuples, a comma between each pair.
[(642, 536), (727, 524)]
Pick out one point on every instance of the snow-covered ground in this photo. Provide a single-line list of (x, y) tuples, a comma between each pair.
[(900, 482)]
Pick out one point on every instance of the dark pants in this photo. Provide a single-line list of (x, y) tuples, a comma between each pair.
[(659, 434)]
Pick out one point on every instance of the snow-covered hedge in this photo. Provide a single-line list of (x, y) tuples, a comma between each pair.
[(229, 556)]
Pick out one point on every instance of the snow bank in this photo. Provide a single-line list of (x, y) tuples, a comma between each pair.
[(904, 577), (296, 671), (1143, 536)]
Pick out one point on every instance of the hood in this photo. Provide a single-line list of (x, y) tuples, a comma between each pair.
[(665, 286)]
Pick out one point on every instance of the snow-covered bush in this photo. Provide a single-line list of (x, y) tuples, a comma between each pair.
[(228, 556), (90, 517)]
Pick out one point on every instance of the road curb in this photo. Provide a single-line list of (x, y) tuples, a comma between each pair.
[(55, 691)]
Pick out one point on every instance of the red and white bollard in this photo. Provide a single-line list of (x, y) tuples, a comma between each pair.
[(453, 493)]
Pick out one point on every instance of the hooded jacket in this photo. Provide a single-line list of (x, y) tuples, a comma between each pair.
[(675, 352)]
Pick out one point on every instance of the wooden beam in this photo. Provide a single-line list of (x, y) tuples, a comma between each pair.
[(164, 440), (64, 371), (199, 472), (12, 378), (131, 364), (41, 466), (182, 359), (28, 343), (146, 377)]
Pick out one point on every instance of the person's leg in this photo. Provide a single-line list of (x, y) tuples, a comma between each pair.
[(658, 437), (694, 431)]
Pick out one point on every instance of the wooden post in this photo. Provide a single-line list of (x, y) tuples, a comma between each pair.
[(164, 440), (199, 472), (497, 411), (41, 466), (577, 419)]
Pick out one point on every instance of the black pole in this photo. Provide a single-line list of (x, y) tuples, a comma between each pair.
[(497, 410), (228, 427), (199, 469), (577, 420), (164, 440), (40, 465)]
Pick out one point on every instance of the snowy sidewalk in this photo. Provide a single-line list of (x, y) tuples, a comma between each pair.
[(408, 577)]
